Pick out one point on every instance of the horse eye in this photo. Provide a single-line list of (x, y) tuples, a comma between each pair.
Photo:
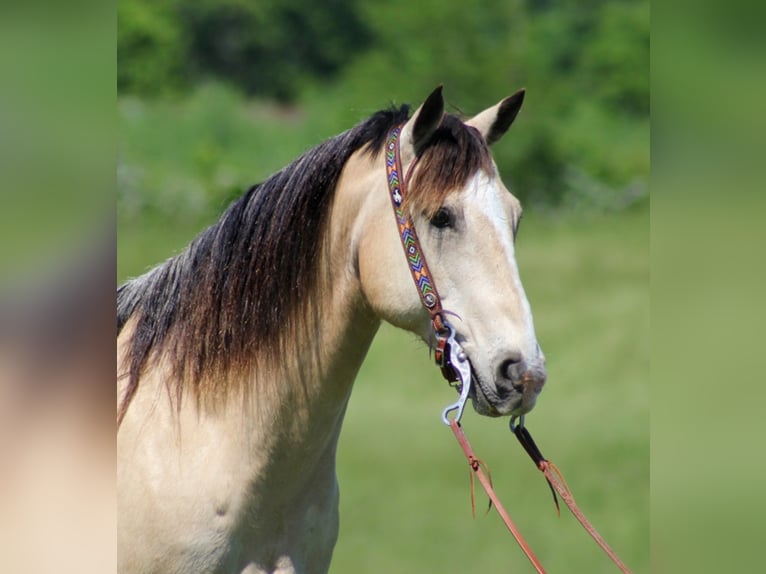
[(442, 218)]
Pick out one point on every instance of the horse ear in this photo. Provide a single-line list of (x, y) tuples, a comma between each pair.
[(423, 123), (495, 121)]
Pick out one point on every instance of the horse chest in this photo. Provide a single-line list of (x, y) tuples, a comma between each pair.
[(206, 508), (292, 537), (296, 539)]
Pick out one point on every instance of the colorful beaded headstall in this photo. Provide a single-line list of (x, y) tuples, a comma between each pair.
[(397, 187), (448, 353)]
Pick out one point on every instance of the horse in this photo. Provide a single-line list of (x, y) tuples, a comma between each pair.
[(237, 356)]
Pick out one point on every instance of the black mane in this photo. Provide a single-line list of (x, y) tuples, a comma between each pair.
[(236, 294)]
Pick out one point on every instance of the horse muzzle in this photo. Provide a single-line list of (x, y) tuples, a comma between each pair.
[(513, 392)]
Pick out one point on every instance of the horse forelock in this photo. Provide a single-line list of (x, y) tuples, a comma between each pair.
[(452, 156)]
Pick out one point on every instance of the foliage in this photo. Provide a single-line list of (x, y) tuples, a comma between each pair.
[(314, 69), (150, 48), (266, 48)]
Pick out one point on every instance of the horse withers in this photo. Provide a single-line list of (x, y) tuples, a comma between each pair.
[(236, 357)]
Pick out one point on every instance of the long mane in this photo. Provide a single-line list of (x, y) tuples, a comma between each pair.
[(237, 294)]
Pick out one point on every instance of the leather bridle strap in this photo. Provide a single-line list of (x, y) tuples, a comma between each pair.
[(475, 465), (397, 188), (558, 484)]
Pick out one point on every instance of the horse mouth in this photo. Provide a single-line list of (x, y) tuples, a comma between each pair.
[(490, 402)]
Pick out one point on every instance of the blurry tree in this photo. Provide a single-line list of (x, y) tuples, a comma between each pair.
[(151, 47), (615, 59), (583, 135), (584, 63), (268, 48)]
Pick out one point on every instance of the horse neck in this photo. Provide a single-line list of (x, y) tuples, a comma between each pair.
[(345, 323), (310, 404)]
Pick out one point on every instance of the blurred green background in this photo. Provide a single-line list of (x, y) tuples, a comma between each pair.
[(216, 95)]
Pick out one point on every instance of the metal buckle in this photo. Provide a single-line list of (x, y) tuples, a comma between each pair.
[(512, 423), (455, 358)]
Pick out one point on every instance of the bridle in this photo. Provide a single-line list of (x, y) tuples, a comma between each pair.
[(456, 368), (449, 354)]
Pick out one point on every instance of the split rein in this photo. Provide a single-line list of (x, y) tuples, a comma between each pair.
[(456, 368)]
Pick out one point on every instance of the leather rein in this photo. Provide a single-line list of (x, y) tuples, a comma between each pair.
[(456, 368)]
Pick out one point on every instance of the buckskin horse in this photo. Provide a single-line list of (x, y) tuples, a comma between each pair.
[(236, 357)]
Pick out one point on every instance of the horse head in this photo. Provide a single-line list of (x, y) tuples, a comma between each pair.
[(466, 220)]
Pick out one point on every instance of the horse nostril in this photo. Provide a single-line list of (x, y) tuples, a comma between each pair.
[(512, 369)]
